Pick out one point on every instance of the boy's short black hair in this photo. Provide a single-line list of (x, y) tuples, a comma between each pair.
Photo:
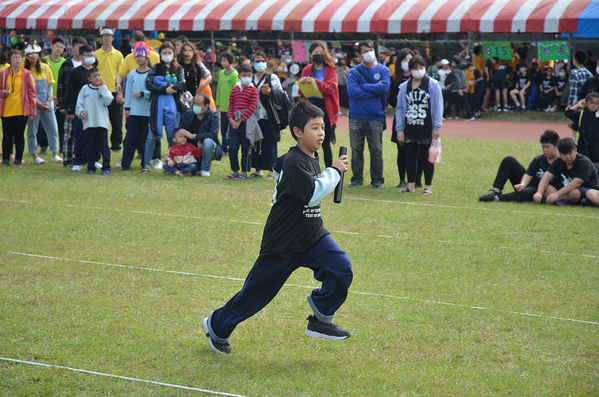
[(366, 43), (477, 50), (581, 56), (550, 136), (566, 145), (85, 48), (417, 60), (176, 131), (496, 59), (244, 69), (92, 71), (58, 40), (227, 55), (301, 113), (78, 40)]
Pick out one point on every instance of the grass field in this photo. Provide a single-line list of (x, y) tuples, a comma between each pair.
[(451, 297)]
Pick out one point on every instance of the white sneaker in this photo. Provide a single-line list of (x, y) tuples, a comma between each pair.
[(205, 173), (57, 159), (76, 168), (98, 165), (38, 160), (157, 164), (119, 165)]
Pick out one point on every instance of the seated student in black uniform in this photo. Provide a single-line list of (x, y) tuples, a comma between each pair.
[(524, 181), (523, 88), (575, 174), (294, 236)]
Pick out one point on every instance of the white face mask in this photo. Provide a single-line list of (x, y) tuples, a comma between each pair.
[(418, 74), (405, 66), (369, 57), (167, 58)]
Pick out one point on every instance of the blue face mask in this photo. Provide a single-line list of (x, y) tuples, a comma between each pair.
[(246, 81), (260, 67), (89, 61), (197, 110), (561, 74)]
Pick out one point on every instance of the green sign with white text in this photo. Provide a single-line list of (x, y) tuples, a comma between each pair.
[(500, 49), (552, 50)]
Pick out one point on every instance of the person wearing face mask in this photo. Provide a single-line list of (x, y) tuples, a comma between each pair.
[(562, 82), (264, 152), (165, 81), (78, 78), (323, 71), (367, 86), (200, 126), (44, 81), (419, 117)]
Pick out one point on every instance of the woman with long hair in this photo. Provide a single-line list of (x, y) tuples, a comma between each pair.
[(17, 91), (165, 81), (264, 152), (323, 71), (44, 81), (195, 72), (402, 74), (419, 117)]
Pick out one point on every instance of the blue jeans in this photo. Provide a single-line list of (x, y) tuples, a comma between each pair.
[(359, 131), (149, 149), (330, 265), (210, 151), (184, 168), (237, 138)]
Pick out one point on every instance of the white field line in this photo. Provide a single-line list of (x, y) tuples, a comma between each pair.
[(334, 231), (311, 287), (120, 377)]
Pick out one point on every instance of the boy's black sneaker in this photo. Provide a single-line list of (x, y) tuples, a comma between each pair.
[(318, 329), (561, 203), (489, 196), (220, 348)]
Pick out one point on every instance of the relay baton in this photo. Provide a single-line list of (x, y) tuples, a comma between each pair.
[(339, 188)]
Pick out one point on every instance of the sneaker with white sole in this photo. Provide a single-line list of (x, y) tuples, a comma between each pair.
[(119, 164), (57, 159), (76, 168), (98, 165), (205, 173), (38, 160), (471, 118), (220, 348), (157, 164), (318, 329)]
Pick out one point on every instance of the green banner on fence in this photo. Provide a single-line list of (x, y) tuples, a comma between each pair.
[(552, 50), (500, 49)]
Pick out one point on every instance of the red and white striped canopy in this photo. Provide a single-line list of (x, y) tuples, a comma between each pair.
[(325, 16)]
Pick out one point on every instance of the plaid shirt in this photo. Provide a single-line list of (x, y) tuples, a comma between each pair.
[(577, 78)]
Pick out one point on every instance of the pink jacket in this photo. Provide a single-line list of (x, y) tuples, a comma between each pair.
[(28, 93)]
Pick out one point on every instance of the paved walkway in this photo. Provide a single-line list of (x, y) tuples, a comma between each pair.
[(487, 129)]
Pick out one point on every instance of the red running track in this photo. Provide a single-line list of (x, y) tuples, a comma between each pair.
[(487, 129)]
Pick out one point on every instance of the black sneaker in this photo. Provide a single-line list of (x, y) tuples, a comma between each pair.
[(489, 196), (5, 163), (220, 348), (561, 203), (318, 329)]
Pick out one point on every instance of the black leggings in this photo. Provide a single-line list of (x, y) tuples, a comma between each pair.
[(417, 155), (401, 160), (13, 133), (511, 170)]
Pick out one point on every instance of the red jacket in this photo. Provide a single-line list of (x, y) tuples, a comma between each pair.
[(186, 154), (28, 93), (329, 89)]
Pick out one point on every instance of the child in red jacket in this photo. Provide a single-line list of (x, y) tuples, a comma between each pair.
[(182, 158)]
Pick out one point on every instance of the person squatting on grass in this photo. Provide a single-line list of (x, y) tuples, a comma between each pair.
[(575, 175), (137, 108), (92, 109), (243, 103), (182, 158), (419, 116), (294, 236), (524, 181)]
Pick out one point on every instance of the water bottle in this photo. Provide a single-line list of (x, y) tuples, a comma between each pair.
[(167, 77), (173, 79)]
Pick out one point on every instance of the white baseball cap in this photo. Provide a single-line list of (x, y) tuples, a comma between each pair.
[(444, 62)]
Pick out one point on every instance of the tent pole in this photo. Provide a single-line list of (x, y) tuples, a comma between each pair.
[(378, 44), (213, 49), (292, 40), (570, 52)]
